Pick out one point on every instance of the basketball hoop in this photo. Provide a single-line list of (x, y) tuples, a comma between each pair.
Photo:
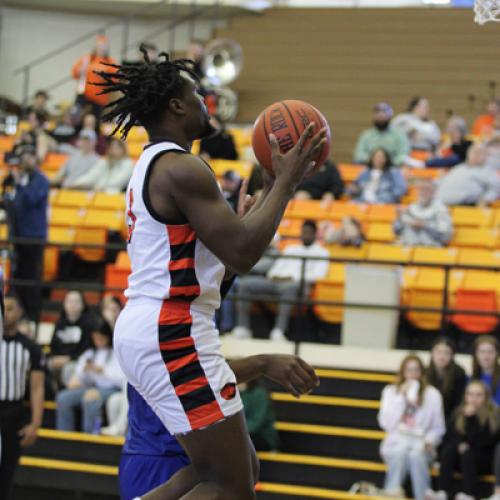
[(487, 10)]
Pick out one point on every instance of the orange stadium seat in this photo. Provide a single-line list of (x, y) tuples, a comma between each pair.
[(306, 209), (4, 232), (382, 213), (54, 161), (330, 289), (380, 232), (62, 216), (472, 216), (72, 198), (350, 173), (290, 228), (94, 236), (6, 143), (339, 209), (476, 300)]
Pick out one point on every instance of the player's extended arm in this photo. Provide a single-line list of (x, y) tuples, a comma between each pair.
[(291, 372), (238, 243)]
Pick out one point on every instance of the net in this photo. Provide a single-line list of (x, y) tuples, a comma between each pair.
[(487, 10)]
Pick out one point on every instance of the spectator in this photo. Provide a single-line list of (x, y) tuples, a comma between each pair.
[(83, 71), (455, 150), (446, 375), (64, 132), (79, 163), (110, 309), (90, 123), (493, 153), (427, 222), (26, 192), (382, 135), (470, 442), (230, 185), (39, 104), (325, 184), (219, 145), (22, 365), (284, 281), (470, 183), (380, 182), (259, 416), (110, 173), (71, 337), (485, 366), (411, 414), (422, 132), (97, 376), (349, 234), (483, 124)]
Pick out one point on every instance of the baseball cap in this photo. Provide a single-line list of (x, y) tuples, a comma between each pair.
[(384, 108)]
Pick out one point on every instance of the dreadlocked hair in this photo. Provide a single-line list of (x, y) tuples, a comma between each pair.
[(145, 89)]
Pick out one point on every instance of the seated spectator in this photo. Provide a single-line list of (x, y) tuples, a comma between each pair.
[(382, 135), (110, 173), (110, 309), (422, 132), (493, 153), (64, 132), (454, 151), (485, 365), (230, 185), (470, 442), (71, 337), (349, 234), (97, 376), (411, 414), (283, 280), (380, 182), (220, 145), (90, 122), (259, 416), (427, 222), (483, 124), (446, 375), (79, 163), (470, 183), (39, 104), (325, 184)]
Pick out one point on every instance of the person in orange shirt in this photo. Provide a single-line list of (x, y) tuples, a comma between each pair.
[(83, 72), (483, 124)]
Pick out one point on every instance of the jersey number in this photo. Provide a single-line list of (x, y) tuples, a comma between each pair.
[(131, 215)]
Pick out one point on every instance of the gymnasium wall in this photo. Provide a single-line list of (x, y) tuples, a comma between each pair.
[(27, 34), (345, 60)]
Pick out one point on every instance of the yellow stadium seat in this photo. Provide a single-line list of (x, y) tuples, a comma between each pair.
[(350, 173), (481, 280), (476, 237), (346, 252), (340, 209), (61, 235), (50, 263), (479, 257), (430, 255), (306, 209), (290, 228), (195, 148), (54, 161), (94, 236), (122, 260), (330, 289), (111, 219), (73, 198), (137, 134), (4, 232), (135, 149), (472, 216), (380, 232), (388, 253), (242, 136), (244, 168), (62, 216), (382, 213), (108, 201)]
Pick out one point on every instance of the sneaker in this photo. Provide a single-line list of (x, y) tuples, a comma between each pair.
[(441, 495), (463, 496), (111, 430), (430, 494), (241, 332), (394, 493), (277, 335)]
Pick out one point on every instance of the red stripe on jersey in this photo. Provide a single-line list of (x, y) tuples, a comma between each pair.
[(187, 291), (175, 312), (179, 234), (176, 344), (177, 265), (191, 386), (177, 364), (205, 415)]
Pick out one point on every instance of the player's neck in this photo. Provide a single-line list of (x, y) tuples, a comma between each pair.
[(165, 134)]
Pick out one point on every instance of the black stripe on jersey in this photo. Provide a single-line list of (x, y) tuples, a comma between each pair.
[(174, 332), (183, 277), (197, 398), (173, 354), (182, 251), (186, 373)]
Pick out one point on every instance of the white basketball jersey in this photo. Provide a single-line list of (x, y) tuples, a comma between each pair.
[(168, 261)]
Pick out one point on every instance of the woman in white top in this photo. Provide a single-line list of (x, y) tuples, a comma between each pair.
[(423, 133), (111, 173), (97, 376), (411, 413)]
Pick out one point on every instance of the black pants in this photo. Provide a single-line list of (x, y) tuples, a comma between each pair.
[(12, 419), (470, 464), (29, 266)]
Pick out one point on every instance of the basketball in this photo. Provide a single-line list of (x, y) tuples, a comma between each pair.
[(287, 120)]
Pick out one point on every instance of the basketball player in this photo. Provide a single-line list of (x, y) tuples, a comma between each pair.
[(183, 240)]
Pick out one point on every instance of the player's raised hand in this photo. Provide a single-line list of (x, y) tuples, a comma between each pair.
[(293, 165), (291, 372)]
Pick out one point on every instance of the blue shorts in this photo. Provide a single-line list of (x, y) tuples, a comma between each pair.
[(139, 474)]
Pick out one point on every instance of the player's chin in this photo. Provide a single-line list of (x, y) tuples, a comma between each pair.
[(207, 129)]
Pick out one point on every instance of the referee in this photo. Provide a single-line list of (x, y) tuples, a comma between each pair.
[(21, 362)]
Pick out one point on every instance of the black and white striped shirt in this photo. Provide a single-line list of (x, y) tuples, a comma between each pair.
[(19, 356)]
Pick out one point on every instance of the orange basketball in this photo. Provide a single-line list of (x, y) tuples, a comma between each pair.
[(287, 120)]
